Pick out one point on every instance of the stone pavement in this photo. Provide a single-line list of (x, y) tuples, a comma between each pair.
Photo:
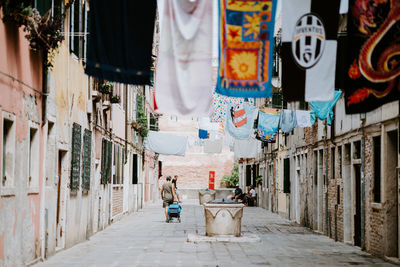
[(144, 239)]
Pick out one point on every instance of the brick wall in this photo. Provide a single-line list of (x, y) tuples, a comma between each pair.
[(193, 169)]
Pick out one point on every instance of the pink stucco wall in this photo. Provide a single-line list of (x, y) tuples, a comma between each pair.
[(20, 95)]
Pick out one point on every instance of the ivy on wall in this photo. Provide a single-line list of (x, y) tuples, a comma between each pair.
[(44, 32)]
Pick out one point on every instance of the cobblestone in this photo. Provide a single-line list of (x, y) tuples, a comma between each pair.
[(144, 239)]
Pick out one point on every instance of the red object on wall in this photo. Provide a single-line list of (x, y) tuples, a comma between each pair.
[(211, 179)]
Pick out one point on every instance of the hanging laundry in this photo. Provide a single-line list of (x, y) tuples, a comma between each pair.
[(303, 118), (127, 60), (369, 67), (238, 115), (184, 65), (245, 130), (309, 33), (324, 109), (206, 124), (220, 103), (212, 147), (267, 125), (166, 144), (288, 120), (203, 134), (246, 47), (246, 148)]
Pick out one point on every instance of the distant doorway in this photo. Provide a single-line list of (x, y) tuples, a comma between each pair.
[(59, 229), (357, 214), (391, 196)]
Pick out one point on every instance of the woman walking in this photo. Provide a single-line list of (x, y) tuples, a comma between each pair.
[(168, 196)]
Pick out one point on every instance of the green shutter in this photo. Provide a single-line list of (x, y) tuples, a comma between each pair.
[(87, 152), (76, 156), (103, 162), (109, 163)]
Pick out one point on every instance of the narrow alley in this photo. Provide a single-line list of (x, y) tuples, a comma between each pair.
[(144, 239)]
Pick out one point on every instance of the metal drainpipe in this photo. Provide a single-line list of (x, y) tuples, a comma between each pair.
[(363, 183), (326, 179)]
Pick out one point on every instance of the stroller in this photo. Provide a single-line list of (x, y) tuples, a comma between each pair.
[(174, 211)]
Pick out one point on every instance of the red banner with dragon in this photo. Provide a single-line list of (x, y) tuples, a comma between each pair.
[(373, 54)]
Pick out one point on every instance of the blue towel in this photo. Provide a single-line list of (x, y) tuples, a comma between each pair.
[(267, 125), (244, 131), (203, 134), (288, 120), (324, 109)]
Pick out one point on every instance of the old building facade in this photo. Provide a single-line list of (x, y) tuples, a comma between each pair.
[(73, 159)]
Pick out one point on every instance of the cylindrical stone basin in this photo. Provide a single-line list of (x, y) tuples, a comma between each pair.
[(206, 196), (223, 218)]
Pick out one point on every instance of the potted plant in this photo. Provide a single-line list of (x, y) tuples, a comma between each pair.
[(106, 87), (115, 99)]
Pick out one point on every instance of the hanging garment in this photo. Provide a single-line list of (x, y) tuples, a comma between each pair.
[(246, 40), (267, 125), (309, 33), (246, 148), (166, 144), (288, 120), (211, 147), (323, 110), (127, 60), (220, 103), (369, 68), (184, 65), (245, 130), (203, 134), (303, 118)]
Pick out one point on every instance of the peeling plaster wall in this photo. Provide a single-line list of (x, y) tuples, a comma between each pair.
[(20, 210), (70, 95)]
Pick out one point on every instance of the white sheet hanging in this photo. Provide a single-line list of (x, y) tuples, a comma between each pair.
[(183, 79), (246, 148), (211, 147), (303, 118), (166, 144)]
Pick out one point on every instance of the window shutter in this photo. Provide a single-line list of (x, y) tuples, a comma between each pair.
[(103, 162), (76, 156), (87, 152), (109, 153)]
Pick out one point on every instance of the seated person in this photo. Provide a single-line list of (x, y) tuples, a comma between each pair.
[(238, 193), (250, 197)]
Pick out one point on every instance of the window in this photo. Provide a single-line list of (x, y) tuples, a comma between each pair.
[(86, 161), (118, 165), (76, 157), (106, 162), (8, 150), (248, 175), (78, 28), (286, 176), (55, 7), (377, 169), (357, 150), (33, 165)]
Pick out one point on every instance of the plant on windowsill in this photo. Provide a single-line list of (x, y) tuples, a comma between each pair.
[(43, 32), (115, 99), (141, 122), (259, 180), (106, 87)]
